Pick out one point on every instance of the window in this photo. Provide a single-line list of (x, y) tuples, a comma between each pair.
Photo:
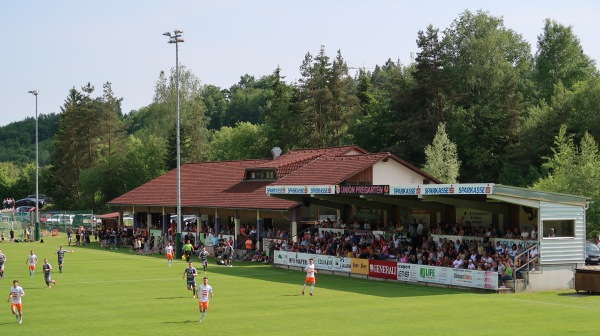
[(260, 175), (558, 228)]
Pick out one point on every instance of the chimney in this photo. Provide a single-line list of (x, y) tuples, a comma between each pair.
[(276, 151)]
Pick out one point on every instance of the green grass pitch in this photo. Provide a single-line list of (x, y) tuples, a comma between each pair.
[(110, 292)]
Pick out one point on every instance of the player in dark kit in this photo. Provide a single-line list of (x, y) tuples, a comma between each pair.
[(191, 274), (48, 273), (61, 257), (204, 258)]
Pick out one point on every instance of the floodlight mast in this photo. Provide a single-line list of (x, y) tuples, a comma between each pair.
[(176, 38)]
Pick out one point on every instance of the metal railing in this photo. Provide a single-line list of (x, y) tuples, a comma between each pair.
[(524, 268)]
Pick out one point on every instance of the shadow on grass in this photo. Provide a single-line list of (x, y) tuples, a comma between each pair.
[(181, 322), (172, 298), (390, 289), (264, 272)]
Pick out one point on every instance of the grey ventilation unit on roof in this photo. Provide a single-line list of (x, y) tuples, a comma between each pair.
[(276, 151)]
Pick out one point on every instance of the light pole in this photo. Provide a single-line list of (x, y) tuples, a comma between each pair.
[(176, 38), (37, 169)]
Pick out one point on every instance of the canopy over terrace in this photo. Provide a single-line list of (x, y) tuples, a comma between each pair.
[(109, 220), (441, 198)]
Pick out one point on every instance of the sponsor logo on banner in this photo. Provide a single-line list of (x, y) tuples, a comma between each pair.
[(331, 263), (383, 269), (323, 189), (362, 189), (359, 266), (295, 190), (275, 190), (407, 273)]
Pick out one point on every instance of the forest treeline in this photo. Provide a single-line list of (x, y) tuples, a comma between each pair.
[(475, 105)]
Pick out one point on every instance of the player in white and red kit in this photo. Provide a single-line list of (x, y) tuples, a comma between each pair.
[(205, 290), (16, 293), (310, 276), (32, 261), (169, 253)]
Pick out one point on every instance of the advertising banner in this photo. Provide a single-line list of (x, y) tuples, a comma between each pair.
[(408, 272), (332, 263), (359, 266), (383, 269)]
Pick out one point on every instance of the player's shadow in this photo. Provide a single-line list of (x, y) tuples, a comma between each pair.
[(181, 322), (171, 298)]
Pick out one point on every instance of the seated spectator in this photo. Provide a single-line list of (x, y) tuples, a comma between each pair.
[(458, 262), (533, 235), (524, 234), (507, 274), (533, 255), (512, 252), (499, 249)]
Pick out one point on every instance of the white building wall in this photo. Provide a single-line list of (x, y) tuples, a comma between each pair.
[(563, 250), (394, 173)]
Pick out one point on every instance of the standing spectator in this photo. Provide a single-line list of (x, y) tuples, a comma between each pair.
[(12, 235), (32, 261), (310, 276), (151, 243), (48, 273), (70, 236), (248, 245), (2, 260), (228, 255), (203, 297), (190, 274), (16, 306)]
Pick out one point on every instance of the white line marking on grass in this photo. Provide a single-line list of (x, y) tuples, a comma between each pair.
[(116, 281), (552, 303)]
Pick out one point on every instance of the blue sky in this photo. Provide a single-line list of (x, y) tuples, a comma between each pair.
[(52, 46)]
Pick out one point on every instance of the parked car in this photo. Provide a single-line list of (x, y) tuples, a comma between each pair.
[(592, 254), (86, 220), (25, 208), (60, 220), (27, 202), (41, 197)]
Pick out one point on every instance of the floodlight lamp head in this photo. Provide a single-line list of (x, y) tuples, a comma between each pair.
[(33, 92), (177, 31), (167, 34)]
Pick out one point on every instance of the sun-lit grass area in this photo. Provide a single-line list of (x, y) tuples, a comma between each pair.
[(114, 292)]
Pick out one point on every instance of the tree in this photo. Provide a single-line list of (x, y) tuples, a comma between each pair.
[(193, 120), (280, 119), (560, 59), (442, 157), (245, 141), (372, 128), (487, 67), (129, 169), (570, 168), (70, 155), (327, 103), (215, 100)]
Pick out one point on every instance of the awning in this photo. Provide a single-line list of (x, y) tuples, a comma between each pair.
[(112, 215)]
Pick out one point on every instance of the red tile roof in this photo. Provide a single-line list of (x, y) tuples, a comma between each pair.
[(222, 185)]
